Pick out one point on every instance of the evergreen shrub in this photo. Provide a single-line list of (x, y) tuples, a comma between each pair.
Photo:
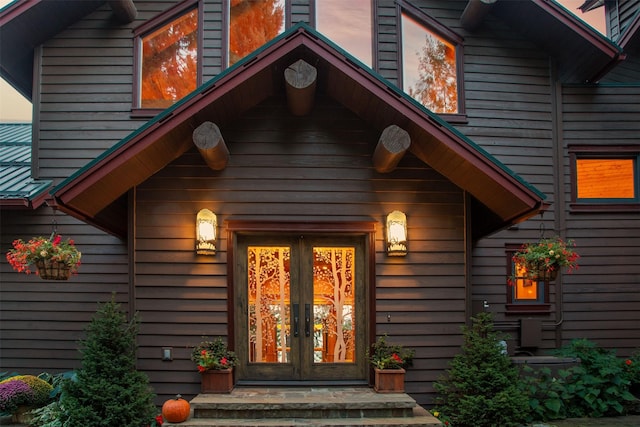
[(107, 390), (480, 387)]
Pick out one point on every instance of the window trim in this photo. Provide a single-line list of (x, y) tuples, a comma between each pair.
[(540, 306), (631, 151), (163, 18), (445, 32)]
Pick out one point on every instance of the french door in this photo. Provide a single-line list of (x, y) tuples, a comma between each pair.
[(300, 308)]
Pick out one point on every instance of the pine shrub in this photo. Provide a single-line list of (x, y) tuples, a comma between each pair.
[(480, 387), (108, 390)]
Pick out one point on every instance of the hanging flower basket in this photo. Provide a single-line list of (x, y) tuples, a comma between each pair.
[(54, 258), (53, 270), (544, 259)]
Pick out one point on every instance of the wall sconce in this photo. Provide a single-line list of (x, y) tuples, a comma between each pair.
[(206, 225), (396, 234)]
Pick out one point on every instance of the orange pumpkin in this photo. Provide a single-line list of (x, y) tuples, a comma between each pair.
[(176, 410)]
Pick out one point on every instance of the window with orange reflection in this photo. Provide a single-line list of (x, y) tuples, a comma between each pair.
[(429, 67), (606, 178), (169, 61), (523, 294), (252, 23), (524, 289)]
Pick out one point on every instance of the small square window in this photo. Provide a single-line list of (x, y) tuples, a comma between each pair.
[(523, 294), (605, 178)]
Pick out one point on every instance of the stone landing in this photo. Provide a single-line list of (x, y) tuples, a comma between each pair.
[(306, 406)]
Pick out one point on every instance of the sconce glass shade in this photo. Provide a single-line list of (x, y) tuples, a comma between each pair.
[(396, 234), (206, 225)]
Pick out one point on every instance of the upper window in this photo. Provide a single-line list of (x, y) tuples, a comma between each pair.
[(605, 178), (252, 23), (431, 58), (167, 57), (346, 24), (523, 293)]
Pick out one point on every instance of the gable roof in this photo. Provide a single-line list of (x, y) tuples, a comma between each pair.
[(91, 192), (17, 188)]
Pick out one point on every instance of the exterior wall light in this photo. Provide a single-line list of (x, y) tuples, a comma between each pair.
[(206, 225), (396, 234)]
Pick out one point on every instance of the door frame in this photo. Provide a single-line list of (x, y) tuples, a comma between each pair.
[(365, 229)]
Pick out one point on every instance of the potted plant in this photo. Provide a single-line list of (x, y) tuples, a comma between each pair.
[(215, 363), (542, 260), (54, 258), (389, 362)]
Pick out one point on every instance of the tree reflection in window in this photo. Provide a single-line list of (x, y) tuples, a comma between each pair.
[(429, 67), (169, 67), (252, 23)]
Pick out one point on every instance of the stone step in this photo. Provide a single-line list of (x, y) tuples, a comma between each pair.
[(301, 406)]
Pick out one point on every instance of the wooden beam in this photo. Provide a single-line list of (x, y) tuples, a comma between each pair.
[(124, 11), (300, 78), (208, 139), (474, 13), (393, 143)]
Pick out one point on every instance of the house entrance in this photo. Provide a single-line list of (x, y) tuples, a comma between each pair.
[(300, 312)]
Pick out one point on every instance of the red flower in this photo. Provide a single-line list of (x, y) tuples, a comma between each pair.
[(159, 420), (628, 362), (201, 368), (56, 240), (396, 358)]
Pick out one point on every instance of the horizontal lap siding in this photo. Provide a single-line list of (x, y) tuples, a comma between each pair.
[(86, 86), (508, 99), (42, 321), (602, 299), (314, 168)]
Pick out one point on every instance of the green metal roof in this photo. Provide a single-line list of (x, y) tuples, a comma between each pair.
[(16, 183)]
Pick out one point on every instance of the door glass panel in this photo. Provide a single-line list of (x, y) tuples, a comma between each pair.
[(269, 299), (333, 304)]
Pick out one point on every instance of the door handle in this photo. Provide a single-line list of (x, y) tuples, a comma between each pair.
[(307, 320), (296, 319)]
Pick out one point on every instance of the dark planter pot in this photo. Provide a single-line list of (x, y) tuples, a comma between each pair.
[(217, 381), (389, 380)]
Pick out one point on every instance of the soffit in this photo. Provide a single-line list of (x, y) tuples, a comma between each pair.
[(582, 53), (26, 24)]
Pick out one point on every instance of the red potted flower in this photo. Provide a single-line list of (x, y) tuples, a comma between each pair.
[(215, 363)]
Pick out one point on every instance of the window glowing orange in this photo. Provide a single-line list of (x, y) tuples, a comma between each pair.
[(525, 289), (169, 66), (605, 178)]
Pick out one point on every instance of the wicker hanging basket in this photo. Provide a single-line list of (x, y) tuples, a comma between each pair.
[(53, 270)]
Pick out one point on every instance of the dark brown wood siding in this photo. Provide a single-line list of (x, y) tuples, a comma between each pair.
[(315, 168), (42, 321), (601, 300)]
